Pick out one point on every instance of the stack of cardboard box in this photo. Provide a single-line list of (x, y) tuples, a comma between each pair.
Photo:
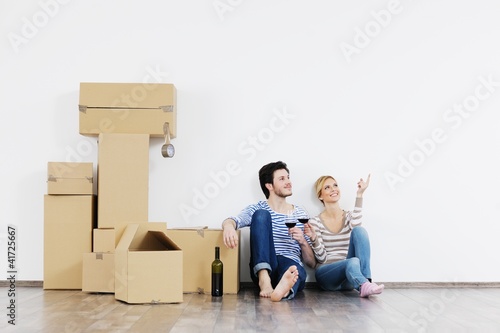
[(69, 217), (124, 116), (137, 260)]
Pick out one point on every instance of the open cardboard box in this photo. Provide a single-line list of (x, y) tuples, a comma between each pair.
[(148, 265)]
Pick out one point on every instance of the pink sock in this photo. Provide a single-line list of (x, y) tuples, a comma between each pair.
[(369, 288)]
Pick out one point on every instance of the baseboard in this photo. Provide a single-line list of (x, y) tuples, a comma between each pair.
[(5, 283), (388, 285), (408, 285), (413, 285)]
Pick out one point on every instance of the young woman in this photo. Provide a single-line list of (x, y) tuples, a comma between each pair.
[(340, 244)]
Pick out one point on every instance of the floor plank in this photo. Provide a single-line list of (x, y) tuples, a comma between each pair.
[(396, 310)]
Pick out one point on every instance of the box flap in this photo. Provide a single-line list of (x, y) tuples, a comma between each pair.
[(165, 240), (68, 170), (127, 95), (127, 237), (137, 236)]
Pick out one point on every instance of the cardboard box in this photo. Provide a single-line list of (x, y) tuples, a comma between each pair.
[(131, 108), (122, 181), (198, 247), (70, 178), (104, 240), (68, 224), (148, 265), (98, 272)]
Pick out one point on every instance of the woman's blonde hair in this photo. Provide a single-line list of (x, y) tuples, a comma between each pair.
[(318, 185)]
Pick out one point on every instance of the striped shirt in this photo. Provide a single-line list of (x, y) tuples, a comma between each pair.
[(331, 246), (281, 237)]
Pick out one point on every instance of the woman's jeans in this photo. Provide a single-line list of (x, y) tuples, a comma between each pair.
[(352, 272), (263, 255)]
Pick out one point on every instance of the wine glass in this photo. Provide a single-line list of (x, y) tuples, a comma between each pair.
[(304, 218), (290, 222)]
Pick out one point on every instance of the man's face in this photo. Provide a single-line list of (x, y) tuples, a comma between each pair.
[(282, 186)]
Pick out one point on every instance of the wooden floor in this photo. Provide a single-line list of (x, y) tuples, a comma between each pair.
[(396, 310)]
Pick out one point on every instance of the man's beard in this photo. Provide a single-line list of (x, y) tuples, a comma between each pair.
[(283, 195)]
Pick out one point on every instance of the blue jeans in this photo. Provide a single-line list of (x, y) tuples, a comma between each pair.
[(352, 272), (263, 255)]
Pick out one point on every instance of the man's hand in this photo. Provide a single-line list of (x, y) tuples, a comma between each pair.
[(229, 235), (297, 234)]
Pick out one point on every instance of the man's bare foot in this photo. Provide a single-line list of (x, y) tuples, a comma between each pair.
[(265, 286), (286, 283)]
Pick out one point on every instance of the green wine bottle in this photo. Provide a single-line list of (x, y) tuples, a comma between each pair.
[(217, 269)]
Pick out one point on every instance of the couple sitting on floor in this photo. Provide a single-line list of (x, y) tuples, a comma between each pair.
[(333, 243)]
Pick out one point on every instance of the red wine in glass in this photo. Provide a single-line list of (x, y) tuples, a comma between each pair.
[(303, 219), (290, 222)]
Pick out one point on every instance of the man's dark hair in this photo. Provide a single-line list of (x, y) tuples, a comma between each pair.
[(266, 174)]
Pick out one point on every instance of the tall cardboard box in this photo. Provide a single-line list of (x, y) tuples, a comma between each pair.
[(131, 108), (68, 224), (148, 265), (70, 178), (198, 247), (122, 180)]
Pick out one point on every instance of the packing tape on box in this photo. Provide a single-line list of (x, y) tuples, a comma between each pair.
[(51, 178), (199, 230), (167, 108)]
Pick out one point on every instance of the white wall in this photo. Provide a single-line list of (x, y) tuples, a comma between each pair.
[(330, 87)]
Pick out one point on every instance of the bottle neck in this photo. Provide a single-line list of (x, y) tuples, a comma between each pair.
[(217, 253)]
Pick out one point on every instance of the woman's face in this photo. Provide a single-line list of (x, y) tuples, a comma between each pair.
[(330, 191)]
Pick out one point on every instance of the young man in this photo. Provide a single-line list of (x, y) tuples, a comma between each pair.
[(276, 252)]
